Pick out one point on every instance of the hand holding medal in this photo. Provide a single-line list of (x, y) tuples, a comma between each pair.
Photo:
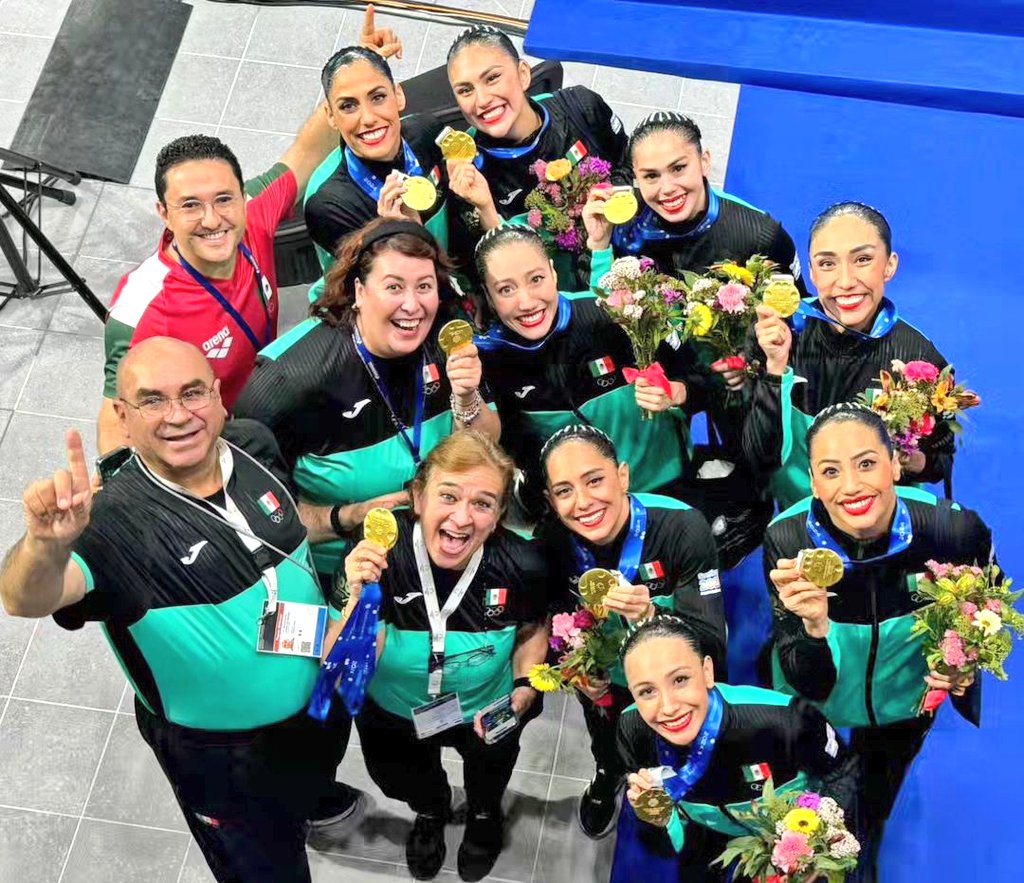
[(801, 583), (651, 803), (782, 295), (463, 366), (594, 585), (365, 563)]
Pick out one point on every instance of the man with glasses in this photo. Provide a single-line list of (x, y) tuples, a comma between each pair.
[(194, 559)]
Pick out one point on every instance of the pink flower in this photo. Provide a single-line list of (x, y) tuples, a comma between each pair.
[(584, 618), (732, 298), (968, 608), (576, 641), (925, 426), (939, 570), (791, 847), (646, 264), (919, 370), (952, 647), (563, 625), (539, 168), (620, 297), (995, 605), (534, 218), (810, 800)]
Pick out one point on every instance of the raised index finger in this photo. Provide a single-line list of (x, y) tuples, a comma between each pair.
[(76, 462), (368, 26)]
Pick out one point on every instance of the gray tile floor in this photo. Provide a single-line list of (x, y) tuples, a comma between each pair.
[(81, 798)]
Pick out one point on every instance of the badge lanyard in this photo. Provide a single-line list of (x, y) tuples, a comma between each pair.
[(523, 149), (699, 757), (367, 181), (900, 538), (262, 286), (632, 548), (631, 238), (886, 318), (497, 336), (366, 357), (438, 616)]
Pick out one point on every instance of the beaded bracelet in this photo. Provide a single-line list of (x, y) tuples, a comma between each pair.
[(468, 415)]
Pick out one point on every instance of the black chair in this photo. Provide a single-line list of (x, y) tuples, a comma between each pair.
[(429, 92)]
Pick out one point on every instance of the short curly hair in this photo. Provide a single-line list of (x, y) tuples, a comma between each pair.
[(188, 148)]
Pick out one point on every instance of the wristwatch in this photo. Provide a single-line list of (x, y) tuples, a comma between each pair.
[(522, 682), (336, 521)]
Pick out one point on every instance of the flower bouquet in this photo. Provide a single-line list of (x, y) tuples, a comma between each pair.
[(720, 308), (586, 646), (649, 306), (555, 205), (968, 623), (798, 838), (914, 397)]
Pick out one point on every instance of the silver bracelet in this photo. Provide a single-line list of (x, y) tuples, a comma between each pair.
[(468, 415)]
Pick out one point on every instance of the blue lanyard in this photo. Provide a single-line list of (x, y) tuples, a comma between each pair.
[(498, 336), (900, 537), (262, 285), (699, 757), (885, 319), (646, 227), (366, 357), (522, 149), (367, 181), (632, 548)]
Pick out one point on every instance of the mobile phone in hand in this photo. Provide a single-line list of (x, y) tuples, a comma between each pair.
[(498, 719)]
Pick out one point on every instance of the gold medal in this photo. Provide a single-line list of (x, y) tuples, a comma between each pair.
[(823, 567), (456, 146), (454, 334), (595, 584), (782, 295), (420, 193), (380, 527), (655, 807), (621, 206)]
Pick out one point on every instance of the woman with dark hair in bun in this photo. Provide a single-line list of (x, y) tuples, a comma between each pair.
[(849, 650), (666, 555), (360, 392), (711, 747), (832, 350)]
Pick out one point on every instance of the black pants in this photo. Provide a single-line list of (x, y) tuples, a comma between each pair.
[(602, 724), (885, 754), (409, 769), (246, 794)]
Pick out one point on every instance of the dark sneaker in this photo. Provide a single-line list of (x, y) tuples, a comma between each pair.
[(424, 847), (338, 820), (481, 844), (596, 811)]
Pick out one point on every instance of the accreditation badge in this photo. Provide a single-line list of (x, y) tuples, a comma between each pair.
[(437, 716), (292, 629)]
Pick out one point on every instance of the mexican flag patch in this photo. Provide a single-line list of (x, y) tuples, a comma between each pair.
[(602, 366), (495, 597), (576, 152), (430, 373), (435, 174), (757, 772), (651, 570), (268, 503)]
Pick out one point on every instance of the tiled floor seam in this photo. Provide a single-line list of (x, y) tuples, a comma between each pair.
[(238, 70), (547, 797)]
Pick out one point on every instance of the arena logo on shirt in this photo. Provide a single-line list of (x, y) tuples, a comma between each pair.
[(652, 573), (217, 347), (271, 507), (494, 602), (431, 379), (709, 583), (602, 370)]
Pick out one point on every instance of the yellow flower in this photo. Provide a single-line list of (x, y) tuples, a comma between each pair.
[(702, 319), (557, 169), (735, 271), (802, 819), (544, 678)]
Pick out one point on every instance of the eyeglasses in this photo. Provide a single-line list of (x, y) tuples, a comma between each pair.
[(158, 407), (469, 658), (194, 209)]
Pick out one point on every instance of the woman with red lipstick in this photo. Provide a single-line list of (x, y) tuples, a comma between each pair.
[(463, 598), (513, 130), (832, 350), (553, 359), (849, 650), (666, 555), (358, 394), (711, 747)]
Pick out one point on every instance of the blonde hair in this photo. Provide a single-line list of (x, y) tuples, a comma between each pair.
[(461, 451)]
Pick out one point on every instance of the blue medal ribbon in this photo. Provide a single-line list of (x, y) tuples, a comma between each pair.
[(632, 548), (885, 319), (522, 149), (371, 368), (263, 293), (498, 336), (367, 181), (901, 535), (352, 660), (647, 227)]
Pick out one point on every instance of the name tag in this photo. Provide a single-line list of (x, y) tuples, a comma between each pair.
[(292, 629), (437, 716)]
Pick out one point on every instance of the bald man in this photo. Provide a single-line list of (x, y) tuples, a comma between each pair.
[(194, 558)]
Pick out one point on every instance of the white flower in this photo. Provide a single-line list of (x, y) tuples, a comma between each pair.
[(780, 828), (632, 311), (607, 282), (898, 366), (831, 812), (844, 847), (627, 268), (702, 285), (988, 621)]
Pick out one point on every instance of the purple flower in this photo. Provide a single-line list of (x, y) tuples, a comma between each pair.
[(556, 644), (569, 240), (534, 218), (810, 800), (592, 165), (645, 264)]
